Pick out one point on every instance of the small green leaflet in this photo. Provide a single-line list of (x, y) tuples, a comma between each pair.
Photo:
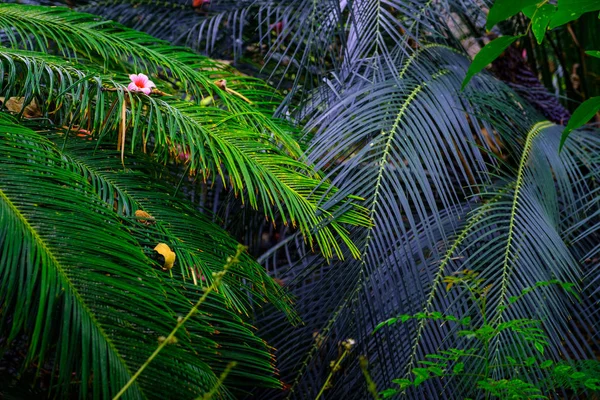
[(569, 10), (458, 368), (539, 347), (593, 53), (540, 18), (581, 115), (489, 53), (592, 383), (577, 375), (504, 9)]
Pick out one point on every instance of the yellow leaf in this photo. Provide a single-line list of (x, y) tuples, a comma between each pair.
[(144, 217), (167, 253)]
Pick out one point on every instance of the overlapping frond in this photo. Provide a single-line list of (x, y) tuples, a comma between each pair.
[(304, 40), (77, 277), (251, 152), (422, 156)]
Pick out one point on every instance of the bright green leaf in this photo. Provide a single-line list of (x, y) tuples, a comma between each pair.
[(403, 383), (539, 347), (458, 368), (581, 115), (436, 370), (546, 364), (541, 19), (486, 55), (577, 375), (593, 53), (570, 10), (504, 9), (388, 393), (592, 383), (562, 368)]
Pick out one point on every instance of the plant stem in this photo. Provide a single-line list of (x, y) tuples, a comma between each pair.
[(335, 367), (222, 377), (347, 345), (181, 321), (371, 386)]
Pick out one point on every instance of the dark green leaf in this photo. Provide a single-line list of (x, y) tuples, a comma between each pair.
[(504, 9), (486, 55), (540, 20), (581, 115), (570, 10)]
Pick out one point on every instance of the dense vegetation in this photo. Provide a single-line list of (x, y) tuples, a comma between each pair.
[(291, 199)]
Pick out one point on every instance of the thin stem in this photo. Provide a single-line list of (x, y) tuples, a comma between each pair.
[(347, 345), (222, 377), (181, 321), (335, 367), (371, 386)]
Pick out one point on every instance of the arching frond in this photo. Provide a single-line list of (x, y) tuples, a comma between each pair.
[(246, 153), (422, 157), (76, 279)]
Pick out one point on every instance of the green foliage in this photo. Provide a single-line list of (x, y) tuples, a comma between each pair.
[(504, 9), (463, 362), (87, 193), (488, 54), (582, 114), (543, 15), (78, 279), (451, 181)]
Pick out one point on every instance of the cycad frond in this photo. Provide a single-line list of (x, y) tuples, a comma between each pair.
[(247, 149), (421, 155), (75, 278)]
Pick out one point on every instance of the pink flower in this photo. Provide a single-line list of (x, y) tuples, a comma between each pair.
[(140, 83)]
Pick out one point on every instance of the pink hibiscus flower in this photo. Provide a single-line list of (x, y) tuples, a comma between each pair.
[(140, 83)]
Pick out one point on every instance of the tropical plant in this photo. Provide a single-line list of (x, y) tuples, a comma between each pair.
[(88, 197), (480, 330), (451, 180), (544, 16)]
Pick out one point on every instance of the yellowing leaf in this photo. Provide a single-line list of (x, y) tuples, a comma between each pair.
[(167, 253), (144, 217), (16, 105)]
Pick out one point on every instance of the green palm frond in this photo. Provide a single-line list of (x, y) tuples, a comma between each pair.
[(76, 279), (201, 246), (242, 146)]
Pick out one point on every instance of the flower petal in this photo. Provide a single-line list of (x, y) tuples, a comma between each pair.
[(146, 90), (133, 87)]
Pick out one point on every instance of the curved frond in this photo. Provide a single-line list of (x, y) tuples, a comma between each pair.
[(244, 152), (76, 279), (423, 158)]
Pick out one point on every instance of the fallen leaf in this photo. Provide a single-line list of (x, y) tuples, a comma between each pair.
[(167, 253), (15, 105), (144, 218)]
